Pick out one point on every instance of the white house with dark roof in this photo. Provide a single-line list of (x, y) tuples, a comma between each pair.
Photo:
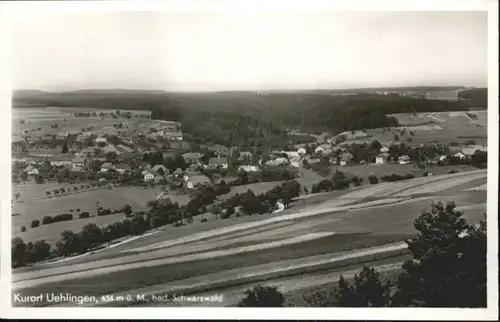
[(218, 162), (31, 170), (149, 176), (197, 180), (382, 158)]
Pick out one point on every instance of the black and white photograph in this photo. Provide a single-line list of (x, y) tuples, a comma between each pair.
[(211, 158)]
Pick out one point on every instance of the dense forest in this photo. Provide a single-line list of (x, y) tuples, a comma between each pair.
[(253, 119), (476, 96)]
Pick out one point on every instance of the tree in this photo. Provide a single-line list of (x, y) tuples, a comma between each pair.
[(35, 223), (376, 145), (396, 137), (127, 209), (367, 291), (68, 244), (249, 203), (48, 193), (262, 296), (17, 195), (448, 268), (23, 229), (37, 251), (91, 235), (18, 251)]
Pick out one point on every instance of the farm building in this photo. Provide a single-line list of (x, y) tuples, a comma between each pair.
[(199, 180), (277, 162), (245, 155), (382, 158), (106, 166), (160, 169), (218, 162), (149, 176), (31, 170), (404, 159), (192, 157), (384, 149), (62, 160), (248, 168), (346, 158), (122, 168)]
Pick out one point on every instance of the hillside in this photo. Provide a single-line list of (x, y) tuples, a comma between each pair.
[(251, 118)]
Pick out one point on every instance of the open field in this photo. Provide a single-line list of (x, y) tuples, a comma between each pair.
[(381, 170), (31, 190), (114, 198), (439, 127), (221, 246)]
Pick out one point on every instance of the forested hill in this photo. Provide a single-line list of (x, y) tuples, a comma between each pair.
[(475, 96), (237, 117)]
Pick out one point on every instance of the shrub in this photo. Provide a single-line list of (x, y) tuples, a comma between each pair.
[(262, 296), (35, 223), (62, 217), (83, 215), (46, 220), (23, 228), (71, 210), (372, 179), (452, 171), (77, 209), (204, 220)]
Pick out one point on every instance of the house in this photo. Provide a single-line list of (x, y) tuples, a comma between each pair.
[(218, 163), (124, 148), (469, 151), (404, 159), (106, 166), (175, 136), (384, 149), (346, 158), (382, 158), (332, 160), (295, 162), (245, 155), (62, 160), (319, 149), (121, 168), (277, 162), (248, 168), (149, 176), (31, 170), (192, 157), (88, 151), (79, 163), (198, 180), (459, 155), (111, 149), (160, 169), (314, 160), (291, 154), (101, 141), (302, 151)]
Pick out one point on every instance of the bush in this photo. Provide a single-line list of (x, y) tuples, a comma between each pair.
[(71, 210), (226, 214), (46, 220), (78, 209), (452, 171), (372, 179), (262, 296), (35, 223), (83, 215), (23, 229), (62, 217), (204, 220), (104, 212)]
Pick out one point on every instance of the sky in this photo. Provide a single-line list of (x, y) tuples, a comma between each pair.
[(210, 51)]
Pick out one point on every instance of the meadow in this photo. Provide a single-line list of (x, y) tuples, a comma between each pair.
[(114, 198)]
